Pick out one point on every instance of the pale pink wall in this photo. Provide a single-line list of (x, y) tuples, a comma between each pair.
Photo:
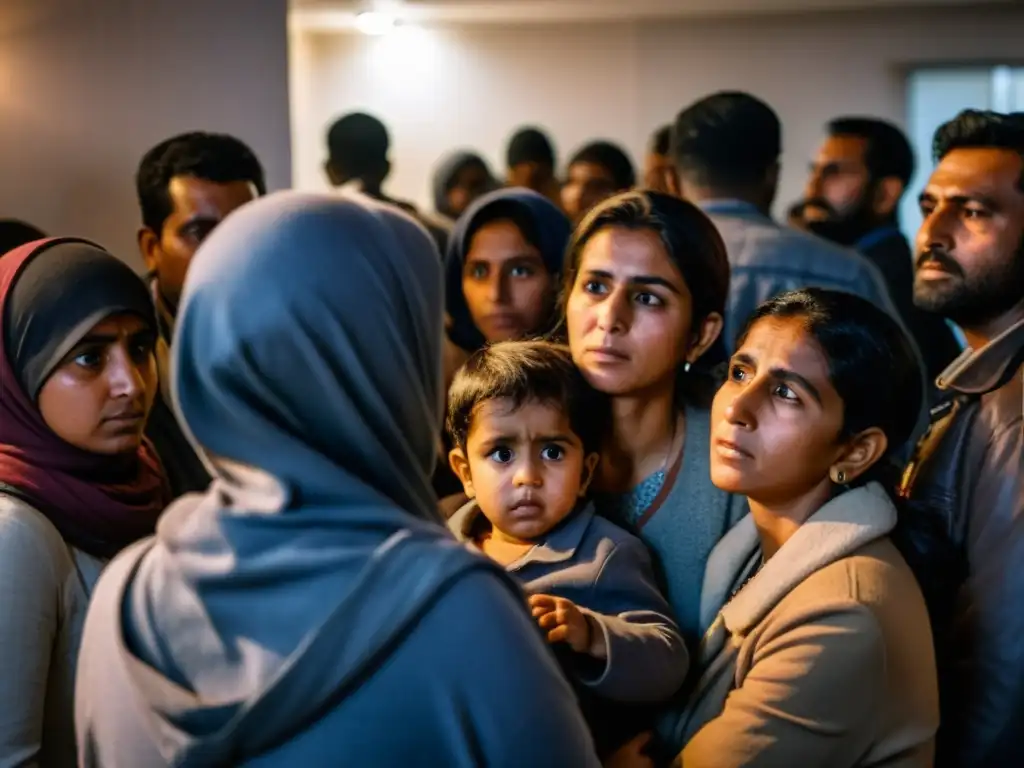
[(86, 86), (471, 85)]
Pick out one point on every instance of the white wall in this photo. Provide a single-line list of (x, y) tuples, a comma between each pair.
[(444, 88), (87, 86)]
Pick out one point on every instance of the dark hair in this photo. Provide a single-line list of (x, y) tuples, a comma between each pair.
[(14, 234), (214, 157), (975, 129), (526, 371), (610, 157), (888, 152), (358, 144), (871, 363), (529, 145), (727, 139), (693, 244), (661, 140)]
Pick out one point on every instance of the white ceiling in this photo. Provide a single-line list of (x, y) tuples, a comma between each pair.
[(340, 13)]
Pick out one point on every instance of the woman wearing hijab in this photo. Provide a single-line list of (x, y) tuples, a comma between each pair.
[(504, 266), (310, 609), (78, 482), (460, 179)]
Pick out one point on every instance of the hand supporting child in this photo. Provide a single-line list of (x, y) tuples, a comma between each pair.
[(566, 623)]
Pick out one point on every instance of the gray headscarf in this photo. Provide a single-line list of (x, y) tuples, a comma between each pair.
[(307, 366)]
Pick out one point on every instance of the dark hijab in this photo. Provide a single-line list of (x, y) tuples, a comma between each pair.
[(542, 224), (447, 173), (52, 293)]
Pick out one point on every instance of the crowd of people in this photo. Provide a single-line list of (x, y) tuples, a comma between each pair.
[(585, 466)]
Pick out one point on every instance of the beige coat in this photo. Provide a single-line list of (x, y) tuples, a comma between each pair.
[(824, 659)]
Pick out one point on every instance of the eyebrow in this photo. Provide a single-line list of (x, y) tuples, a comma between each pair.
[(651, 280), (113, 338), (558, 438), (961, 199), (783, 374), (525, 256), (200, 218)]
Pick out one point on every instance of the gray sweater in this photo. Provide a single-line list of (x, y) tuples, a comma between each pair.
[(44, 592), (607, 572)]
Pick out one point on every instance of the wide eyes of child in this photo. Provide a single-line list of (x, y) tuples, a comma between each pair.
[(505, 455)]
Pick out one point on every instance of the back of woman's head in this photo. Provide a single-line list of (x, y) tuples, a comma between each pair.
[(872, 364), (309, 344)]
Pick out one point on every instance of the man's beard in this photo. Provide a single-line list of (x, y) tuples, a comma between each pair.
[(843, 229), (971, 301)]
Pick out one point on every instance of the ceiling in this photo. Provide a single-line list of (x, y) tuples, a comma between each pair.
[(335, 12)]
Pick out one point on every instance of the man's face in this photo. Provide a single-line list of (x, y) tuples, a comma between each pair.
[(197, 207), (970, 248), (587, 185)]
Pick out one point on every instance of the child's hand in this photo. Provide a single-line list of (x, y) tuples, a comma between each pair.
[(563, 620)]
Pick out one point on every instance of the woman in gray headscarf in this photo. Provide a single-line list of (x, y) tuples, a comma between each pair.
[(459, 179), (309, 609)]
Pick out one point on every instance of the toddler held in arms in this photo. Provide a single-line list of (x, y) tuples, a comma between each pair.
[(526, 429)]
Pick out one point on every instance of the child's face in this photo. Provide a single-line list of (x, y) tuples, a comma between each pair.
[(524, 466)]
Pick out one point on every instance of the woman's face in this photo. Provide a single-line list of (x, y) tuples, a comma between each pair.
[(630, 314), (508, 289), (776, 422), (99, 397)]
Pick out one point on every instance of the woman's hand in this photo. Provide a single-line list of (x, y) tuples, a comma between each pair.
[(632, 755)]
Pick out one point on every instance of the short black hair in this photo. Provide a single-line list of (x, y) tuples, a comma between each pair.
[(871, 361), (661, 141), (612, 158), (727, 139), (358, 145), (530, 145), (888, 151), (977, 129), (15, 233), (214, 157), (526, 371)]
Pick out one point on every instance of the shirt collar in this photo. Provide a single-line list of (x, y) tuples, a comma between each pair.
[(729, 206), (978, 371), (558, 546)]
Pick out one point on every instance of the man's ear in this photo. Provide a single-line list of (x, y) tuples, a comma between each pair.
[(589, 469), (460, 466), (888, 192), (671, 180), (332, 175), (149, 248), (863, 452)]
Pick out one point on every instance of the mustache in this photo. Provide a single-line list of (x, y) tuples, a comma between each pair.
[(940, 257), (819, 202)]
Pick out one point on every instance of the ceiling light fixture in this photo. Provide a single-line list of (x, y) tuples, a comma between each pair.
[(375, 22)]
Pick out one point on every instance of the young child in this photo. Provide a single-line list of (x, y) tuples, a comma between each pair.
[(526, 429)]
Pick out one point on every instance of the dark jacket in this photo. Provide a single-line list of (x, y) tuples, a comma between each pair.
[(889, 251), (963, 533), (185, 471)]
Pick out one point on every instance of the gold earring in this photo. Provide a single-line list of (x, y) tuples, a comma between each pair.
[(839, 477)]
